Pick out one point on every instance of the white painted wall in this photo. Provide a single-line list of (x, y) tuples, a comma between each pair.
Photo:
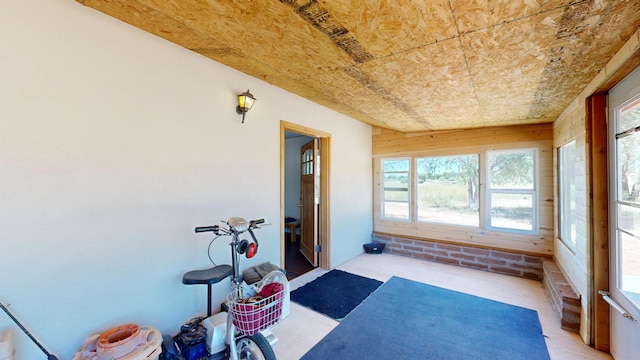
[(114, 145)]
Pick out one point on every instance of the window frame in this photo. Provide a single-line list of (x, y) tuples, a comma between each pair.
[(561, 186), (483, 194), (534, 192), (409, 201)]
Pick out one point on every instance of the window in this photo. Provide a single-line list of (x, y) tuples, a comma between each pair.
[(627, 201), (567, 193), (307, 162), (395, 195), (511, 190), (447, 190)]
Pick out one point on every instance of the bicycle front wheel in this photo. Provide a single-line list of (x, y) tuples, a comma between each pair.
[(254, 347)]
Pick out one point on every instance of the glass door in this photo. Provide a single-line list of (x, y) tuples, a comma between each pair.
[(624, 242)]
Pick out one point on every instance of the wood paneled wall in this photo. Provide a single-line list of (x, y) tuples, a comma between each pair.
[(388, 143), (586, 266)]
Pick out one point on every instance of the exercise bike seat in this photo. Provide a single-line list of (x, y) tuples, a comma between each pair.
[(207, 276)]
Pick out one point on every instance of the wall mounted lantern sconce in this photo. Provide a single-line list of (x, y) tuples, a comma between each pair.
[(245, 102)]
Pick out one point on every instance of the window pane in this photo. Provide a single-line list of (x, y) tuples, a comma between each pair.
[(307, 162), (628, 213), (629, 219), (396, 210), (630, 266), (396, 187), (629, 168), (395, 165), (395, 194), (511, 170), (447, 190), (512, 211), (567, 192), (629, 117)]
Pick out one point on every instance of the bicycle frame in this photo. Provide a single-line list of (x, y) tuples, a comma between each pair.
[(236, 226), (236, 230)]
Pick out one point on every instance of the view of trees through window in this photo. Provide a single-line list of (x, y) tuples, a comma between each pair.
[(447, 189), (629, 159), (512, 190)]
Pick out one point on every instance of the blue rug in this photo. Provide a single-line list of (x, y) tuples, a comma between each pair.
[(405, 319), (335, 293)]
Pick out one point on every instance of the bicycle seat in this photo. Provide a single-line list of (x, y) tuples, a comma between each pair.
[(207, 276)]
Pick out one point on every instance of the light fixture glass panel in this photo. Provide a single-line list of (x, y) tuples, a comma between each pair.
[(246, 100)]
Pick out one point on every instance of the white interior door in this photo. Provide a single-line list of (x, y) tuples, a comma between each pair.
[(624, 241)]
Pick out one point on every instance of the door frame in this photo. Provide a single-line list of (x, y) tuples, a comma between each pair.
[(597, 155), (324, 225)]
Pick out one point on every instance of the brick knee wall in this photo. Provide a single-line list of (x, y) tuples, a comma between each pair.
[(565, 301), (501, 262)]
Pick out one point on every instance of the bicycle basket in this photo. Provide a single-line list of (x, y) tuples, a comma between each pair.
[(251, 315)]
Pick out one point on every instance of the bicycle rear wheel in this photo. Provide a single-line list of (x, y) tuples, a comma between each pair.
[(254, 347)]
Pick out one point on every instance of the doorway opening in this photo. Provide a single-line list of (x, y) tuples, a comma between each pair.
[(304, 199)]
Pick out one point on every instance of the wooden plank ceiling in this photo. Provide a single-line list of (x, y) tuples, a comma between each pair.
[(406, 65)]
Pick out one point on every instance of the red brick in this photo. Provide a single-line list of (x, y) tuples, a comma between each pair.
[(477, 258), (531, 275), (446, 260), (476, 251), (572, 303), (533, 260), (462, 256), (404, 241), (438, 253), (566, 291), (566, 303), (393, 246), (525, 267), (413, 248), (508, 256), (426, 244), (505, 270), (556, 277), (449, 247), (571, 327), (491, 261), (425, 256), (382, 237), (474, 265), (549, 265)]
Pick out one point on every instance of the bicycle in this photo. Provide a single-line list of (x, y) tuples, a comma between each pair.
[(249, 310)]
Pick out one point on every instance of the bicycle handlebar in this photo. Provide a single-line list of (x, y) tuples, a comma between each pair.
[(253, 224), (213, 228)]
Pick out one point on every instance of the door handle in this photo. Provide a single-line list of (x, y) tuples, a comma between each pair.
[(606, 297), (299, 205)]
